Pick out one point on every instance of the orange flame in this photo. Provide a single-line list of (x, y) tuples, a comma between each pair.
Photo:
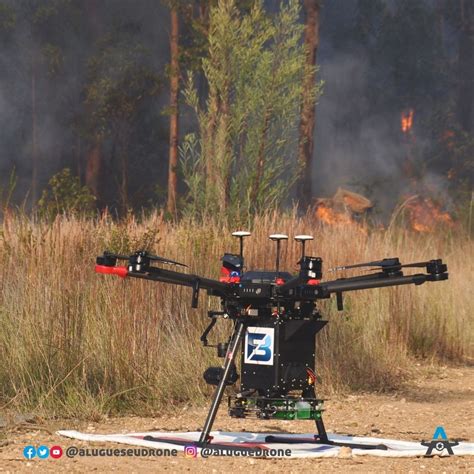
[(407, 120), (425, 216), (329, 216)]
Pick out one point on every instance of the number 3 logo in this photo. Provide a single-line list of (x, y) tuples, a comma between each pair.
[(259, 346)]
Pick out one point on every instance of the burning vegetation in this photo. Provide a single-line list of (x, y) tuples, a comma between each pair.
[(345, 207), (406, 120), (425, 215)]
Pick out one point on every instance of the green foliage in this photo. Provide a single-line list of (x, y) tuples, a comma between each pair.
[(46, 10), (65, 194), (7, 18), (118, 81), (244, 156), (126, 237), (53, 57)]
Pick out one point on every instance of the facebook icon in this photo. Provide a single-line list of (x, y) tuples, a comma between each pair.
[(29, 452), (259, 345)]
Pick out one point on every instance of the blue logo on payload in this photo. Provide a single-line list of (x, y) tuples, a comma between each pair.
[(29, 452), (259, 345)]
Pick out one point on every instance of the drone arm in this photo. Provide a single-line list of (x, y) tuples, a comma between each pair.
[(107, 264), (183, 279), (338, 286)]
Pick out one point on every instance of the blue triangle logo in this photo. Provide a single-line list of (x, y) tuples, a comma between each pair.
[(440, 433)]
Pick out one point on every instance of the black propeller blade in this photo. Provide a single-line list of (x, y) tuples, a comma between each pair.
[(144, 254), (434, 267), (114, 255), (385, 263), (166, 260), (416, 265)]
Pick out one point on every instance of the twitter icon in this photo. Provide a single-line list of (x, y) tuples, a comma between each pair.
[(42, 452)]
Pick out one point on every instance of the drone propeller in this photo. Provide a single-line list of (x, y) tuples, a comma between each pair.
[(385, 263), (432, 266), (416, 265), (144, 254), (114, 255), (166, 260), (391, 265)]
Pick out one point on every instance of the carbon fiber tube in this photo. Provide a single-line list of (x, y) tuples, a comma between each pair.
[(344, 285), (184, 279)]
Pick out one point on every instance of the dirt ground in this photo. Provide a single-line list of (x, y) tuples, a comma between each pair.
[(439, 396)]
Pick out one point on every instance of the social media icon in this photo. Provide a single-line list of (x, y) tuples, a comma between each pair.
[(56, 452), (190, 451), (29, 452), (43, 452)]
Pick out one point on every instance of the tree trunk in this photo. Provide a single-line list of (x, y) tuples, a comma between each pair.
[(204, 11), (94, 153), (174, 130), (307, 122), (466, 67), (93, 167), (123, 141), (34, 137)]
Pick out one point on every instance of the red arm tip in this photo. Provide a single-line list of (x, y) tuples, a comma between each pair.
[(122, 272)]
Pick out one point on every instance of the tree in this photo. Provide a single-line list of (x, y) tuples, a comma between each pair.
[(465, 100), (65, 194), (174, 112), (118, 81), (93, 156), (307, 123), (243, 157), (187, 48), (28, 25)]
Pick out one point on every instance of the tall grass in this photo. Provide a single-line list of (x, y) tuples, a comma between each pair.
[(74, 343)]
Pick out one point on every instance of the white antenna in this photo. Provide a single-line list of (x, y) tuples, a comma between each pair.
[(241, 234), (278, 238), (302, 239)]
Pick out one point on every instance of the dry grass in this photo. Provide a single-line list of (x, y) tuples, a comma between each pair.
[(73, 343)]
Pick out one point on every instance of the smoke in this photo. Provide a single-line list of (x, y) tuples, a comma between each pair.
[(358, 141), (60, 94), (354, 148)]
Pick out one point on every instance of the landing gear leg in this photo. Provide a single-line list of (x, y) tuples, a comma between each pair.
[(229, 359)]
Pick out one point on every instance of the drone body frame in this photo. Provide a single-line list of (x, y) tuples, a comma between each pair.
[(276, 320)]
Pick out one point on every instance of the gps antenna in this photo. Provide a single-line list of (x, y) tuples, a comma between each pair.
[(278, 238), (241, 234), (302, 239)]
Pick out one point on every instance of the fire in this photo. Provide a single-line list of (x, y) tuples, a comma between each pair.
[(426, 216), (330, 216), (345, 207), (407, 120)]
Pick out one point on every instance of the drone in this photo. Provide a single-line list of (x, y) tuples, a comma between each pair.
[(275, 320)]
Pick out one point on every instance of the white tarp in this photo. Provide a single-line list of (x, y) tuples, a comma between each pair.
[(396, 448)]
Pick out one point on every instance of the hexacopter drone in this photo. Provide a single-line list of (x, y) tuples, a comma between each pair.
[(275, 322)]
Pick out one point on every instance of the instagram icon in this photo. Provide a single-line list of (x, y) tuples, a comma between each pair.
[(190, 451)]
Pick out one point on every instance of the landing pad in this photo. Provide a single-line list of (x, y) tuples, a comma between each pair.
[(300, 446)]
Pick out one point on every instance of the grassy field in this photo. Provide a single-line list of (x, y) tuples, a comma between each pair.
[(74, 343)]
